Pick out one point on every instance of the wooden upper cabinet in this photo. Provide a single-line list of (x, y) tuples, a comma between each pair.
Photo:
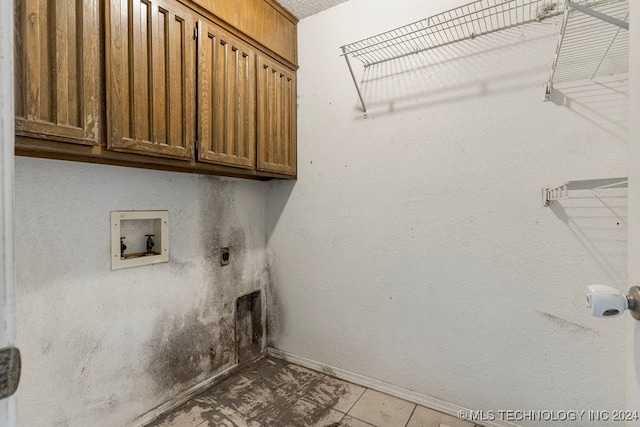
[(264, 20), (150, 66), (276, 117), (57, 70), (168, 74), (226, 98)]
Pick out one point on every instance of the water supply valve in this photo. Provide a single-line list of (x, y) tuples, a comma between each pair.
[(150, 243)]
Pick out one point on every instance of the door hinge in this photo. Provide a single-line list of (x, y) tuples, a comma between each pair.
[(195, 33), (9, 371)]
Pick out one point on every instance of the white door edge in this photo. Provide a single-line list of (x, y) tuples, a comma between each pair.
[(7, 143), (633, 347)]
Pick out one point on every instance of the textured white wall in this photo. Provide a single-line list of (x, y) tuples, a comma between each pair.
[(414, 247), (102, 347)]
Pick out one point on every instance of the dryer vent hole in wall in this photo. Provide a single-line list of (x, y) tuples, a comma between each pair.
[(249, 327)]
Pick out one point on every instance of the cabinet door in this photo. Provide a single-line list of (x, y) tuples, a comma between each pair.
[(226, 99), (276, 117), (150, 65), (57, 70), (265, 21)]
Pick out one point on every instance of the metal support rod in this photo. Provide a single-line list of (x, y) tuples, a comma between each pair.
[(599, 15), (613, 39), (565, 20), (346, 57)]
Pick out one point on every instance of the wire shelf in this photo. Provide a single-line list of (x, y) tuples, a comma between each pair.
[(465, 22), (593, 42), (589, 45), (462, 23)]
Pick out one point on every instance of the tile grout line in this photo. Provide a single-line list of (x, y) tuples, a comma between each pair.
[(354, 404), (411, 416), (344, 414), (342, 419), (302, 392), (358, 399), (365, 390), (362, 421)]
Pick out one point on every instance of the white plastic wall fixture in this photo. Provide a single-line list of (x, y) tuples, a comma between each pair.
[(159, 225), (606, 301)]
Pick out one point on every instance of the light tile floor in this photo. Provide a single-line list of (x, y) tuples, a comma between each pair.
[(274, 393)]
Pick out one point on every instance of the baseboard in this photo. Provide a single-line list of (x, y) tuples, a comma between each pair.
[(402, 393), (186, 395)]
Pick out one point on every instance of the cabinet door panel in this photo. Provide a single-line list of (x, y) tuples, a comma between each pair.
[(57, 70), (226, 99), (150, 66), (276, 118), (263, 20)]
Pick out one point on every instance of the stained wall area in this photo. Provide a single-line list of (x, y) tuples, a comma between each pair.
[(102, 347), (415, 249)]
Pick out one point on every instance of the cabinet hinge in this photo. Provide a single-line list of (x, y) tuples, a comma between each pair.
[(195, 33)]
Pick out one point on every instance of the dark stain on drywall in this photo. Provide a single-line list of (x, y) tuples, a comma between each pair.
[(190, 346), (567, 325), (179, 350), (274, 322), (226, 342), (221, 229), (186, 349)]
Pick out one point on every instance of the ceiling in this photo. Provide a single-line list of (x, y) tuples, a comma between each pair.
[(303, 8)]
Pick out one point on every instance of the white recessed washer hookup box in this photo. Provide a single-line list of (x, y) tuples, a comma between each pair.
[(139, 238)]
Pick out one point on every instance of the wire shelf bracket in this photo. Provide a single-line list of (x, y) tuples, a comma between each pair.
[(462, 23), (355, 81), (588, 47), (561, 192)]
